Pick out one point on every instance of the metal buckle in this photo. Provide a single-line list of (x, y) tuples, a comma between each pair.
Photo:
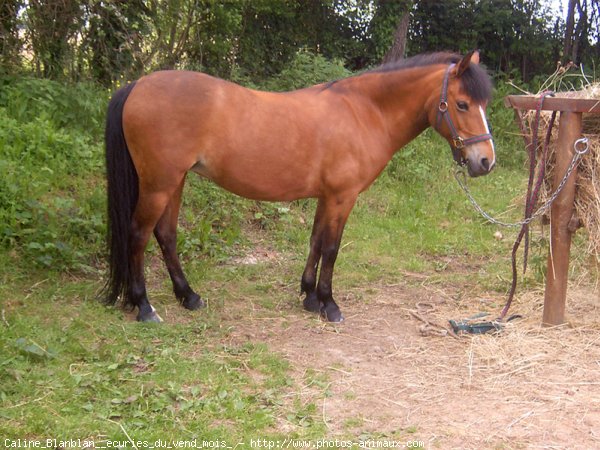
[(443, 106), (458, 142)]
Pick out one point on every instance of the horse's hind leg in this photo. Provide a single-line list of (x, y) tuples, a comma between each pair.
[(151, 205), (166, 235), (147, 212)]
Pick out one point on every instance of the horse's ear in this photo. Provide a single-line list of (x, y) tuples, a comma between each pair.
[(470, 58)]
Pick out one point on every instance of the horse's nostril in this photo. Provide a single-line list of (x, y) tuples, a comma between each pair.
[(485, 163)]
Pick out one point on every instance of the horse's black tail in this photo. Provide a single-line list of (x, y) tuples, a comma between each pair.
[(122, 188)]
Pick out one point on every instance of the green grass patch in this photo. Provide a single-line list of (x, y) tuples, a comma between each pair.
[(74, 368)]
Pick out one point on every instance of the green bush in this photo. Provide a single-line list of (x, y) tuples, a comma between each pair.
[(78, 106), (305, 69), (51, 203), (49, 208)]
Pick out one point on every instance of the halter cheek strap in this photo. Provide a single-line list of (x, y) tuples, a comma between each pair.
[(457, 143)]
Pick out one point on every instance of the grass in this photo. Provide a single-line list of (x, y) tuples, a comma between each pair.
[(75, 368)]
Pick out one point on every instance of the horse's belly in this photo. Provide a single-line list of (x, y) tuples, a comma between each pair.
[(260, 180)]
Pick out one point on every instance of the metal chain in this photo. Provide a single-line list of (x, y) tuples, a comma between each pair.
[(581, 147)]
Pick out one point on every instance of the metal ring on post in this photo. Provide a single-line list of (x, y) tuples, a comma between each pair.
[(581, 150)]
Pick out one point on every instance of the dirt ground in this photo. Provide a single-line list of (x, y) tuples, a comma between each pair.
[(391, 367)]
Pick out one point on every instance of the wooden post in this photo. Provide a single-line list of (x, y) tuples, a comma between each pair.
[(562, 210)]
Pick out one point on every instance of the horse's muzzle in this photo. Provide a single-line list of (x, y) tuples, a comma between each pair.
[(478, 165)]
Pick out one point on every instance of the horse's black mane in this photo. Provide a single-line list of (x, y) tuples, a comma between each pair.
[(424, 59), (476, 80)]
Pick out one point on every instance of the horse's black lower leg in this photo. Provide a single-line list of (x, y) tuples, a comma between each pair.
[(166, 235), (309, 281), (150, 208), (136, 295), (184, 293), (309, 276), (329, 308), (331, 226)]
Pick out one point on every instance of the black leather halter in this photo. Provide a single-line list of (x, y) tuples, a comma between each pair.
[(457, 143)]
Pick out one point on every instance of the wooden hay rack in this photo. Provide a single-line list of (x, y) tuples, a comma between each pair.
[(561, 215)]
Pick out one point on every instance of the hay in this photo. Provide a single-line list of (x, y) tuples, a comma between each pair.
[(587, 196)]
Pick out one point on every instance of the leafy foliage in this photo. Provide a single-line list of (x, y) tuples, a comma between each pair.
[(50, 210), (306, 69), (78, 106), (513, 35), (114, 41), (43, 168)]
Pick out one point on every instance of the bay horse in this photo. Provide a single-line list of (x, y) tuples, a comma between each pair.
[(329, 141)]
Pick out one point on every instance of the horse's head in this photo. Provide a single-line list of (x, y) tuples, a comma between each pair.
[(459, 115)]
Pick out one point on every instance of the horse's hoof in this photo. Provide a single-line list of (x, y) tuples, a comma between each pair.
[(193, 302), (331, 312), (311, 303), (149, 316)]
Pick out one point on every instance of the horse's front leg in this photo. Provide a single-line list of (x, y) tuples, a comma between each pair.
[(331, 217), (309, 277)]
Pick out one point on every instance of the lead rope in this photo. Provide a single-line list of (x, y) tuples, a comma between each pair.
[(532, 197)]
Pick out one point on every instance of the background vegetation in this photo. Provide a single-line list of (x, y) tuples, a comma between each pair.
[(60, 61), (108, 41)]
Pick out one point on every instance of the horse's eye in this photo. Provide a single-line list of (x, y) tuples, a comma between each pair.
[(462, 106)]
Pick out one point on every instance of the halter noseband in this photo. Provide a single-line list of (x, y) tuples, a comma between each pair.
[(457, 143)]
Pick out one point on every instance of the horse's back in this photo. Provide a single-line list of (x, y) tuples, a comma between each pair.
[(256, 144)]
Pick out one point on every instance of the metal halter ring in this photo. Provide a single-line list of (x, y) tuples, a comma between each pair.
[(577, 146), (458, 142), (443, 106)]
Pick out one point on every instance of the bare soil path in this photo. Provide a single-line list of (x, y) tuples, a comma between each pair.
[(391, 369)]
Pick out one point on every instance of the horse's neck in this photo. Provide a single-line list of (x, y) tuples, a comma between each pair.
[(404, 99)]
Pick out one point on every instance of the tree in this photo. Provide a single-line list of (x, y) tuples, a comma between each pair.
[(51, 25), (495, 25), (581, 17), (593, 55), (173, 22), (389, 28), (398, 48), (10, 44), (110, 40), (568, 42), (112, 43)]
